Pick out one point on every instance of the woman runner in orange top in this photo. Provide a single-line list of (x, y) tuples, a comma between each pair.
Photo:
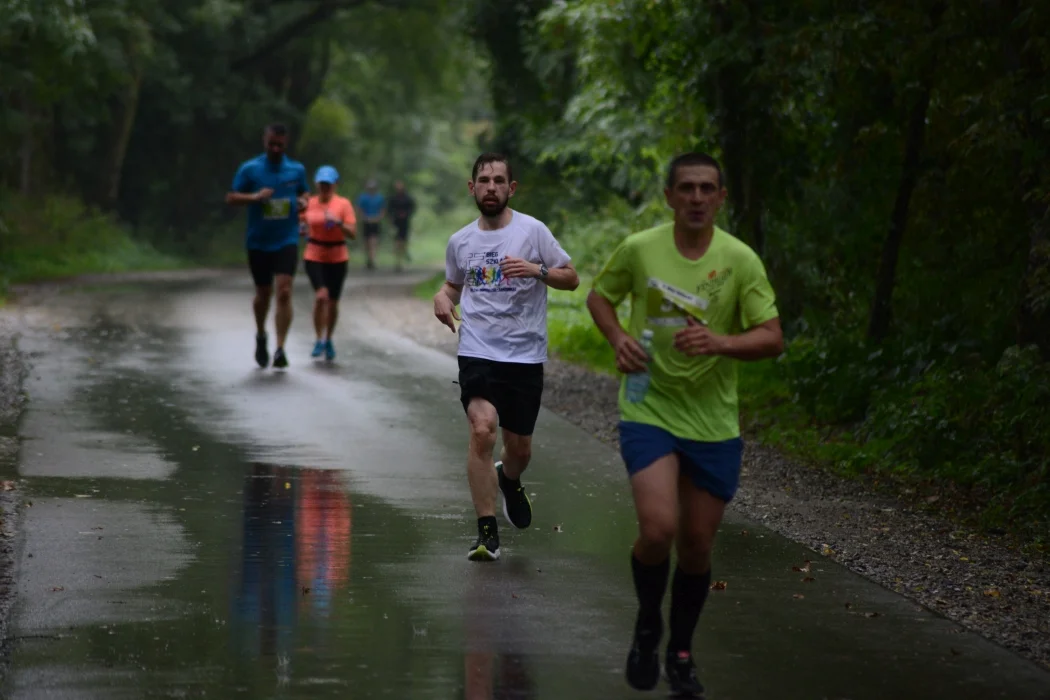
[(329, 219)]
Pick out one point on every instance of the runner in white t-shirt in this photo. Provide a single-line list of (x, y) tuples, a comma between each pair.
[(498, 269)]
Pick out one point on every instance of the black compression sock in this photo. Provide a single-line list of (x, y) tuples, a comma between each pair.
[(650, 582), (490, 522), (688, 595)]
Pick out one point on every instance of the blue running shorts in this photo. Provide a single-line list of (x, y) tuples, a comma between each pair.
[(711, 466)]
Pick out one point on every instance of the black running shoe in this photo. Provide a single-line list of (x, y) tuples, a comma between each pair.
[(280, 361), (487, 546), (681, 674), (262, 355), (517, 507), (643, 661)]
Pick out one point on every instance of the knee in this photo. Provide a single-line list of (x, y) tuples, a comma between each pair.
[(284, 294), (263, 294), (694, 550), (657, 533), (322, 295), (482, 433), (519, 450)]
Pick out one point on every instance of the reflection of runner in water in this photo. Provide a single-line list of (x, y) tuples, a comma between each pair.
[(265, 604), (495, 667), (322, 532), (272, 186)]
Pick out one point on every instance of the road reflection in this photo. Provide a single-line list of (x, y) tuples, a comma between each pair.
[(495, 665), (294, 557)]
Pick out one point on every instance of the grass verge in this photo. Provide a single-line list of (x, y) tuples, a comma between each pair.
[(58, 236)]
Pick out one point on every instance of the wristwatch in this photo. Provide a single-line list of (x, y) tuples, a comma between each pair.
[(543, 271)]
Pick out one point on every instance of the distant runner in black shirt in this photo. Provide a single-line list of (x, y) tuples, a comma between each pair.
[(401, 206)]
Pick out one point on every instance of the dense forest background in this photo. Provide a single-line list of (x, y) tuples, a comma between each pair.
[(887, 159)]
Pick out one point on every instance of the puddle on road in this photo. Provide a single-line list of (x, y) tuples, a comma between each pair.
[(202, 529)]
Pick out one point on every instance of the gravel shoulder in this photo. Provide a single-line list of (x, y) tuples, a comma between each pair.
[(985, 583), (12, 373)]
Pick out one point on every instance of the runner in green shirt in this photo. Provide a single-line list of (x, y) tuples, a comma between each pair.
[(702, 300)]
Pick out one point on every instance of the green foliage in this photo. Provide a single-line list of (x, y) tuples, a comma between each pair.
[(59, 236)]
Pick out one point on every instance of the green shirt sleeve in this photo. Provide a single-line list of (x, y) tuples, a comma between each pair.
[(758, 303), (616, 280)]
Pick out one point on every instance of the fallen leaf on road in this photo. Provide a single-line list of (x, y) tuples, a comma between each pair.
[(7, 485), (557, 528), (826, 550), (745, 533), (798, 596), (802, 569), (808, 579), (56, 589), (992, 593), (513, 595), (719, 586), (849, 605), (933, 499), (871, 614)]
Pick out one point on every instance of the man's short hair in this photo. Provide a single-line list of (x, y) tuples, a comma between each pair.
[(487, 159), (691, 158), (277, 129)]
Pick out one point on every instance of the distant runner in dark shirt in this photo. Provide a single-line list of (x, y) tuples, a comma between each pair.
[(401, 206)]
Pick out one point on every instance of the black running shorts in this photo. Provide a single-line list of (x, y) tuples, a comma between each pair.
[(371, 229), (513, 388), (264, 264), (328, 275)]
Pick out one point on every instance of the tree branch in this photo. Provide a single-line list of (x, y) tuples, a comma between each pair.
[(321, 12)]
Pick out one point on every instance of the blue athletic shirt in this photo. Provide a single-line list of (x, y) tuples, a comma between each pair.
[(273, 224), (371, 204)]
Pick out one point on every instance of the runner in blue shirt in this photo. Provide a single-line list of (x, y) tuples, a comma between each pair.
[(373, 208), (273, 187)]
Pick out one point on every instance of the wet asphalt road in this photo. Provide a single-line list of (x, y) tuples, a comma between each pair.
[(203, 528)]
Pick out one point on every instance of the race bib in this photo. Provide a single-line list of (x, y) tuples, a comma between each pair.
[(277, 208), (667, 305)]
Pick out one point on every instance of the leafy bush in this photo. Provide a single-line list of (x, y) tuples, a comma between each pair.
[(58, 235)]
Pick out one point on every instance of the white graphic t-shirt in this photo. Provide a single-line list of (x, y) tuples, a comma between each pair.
[(503, 319)]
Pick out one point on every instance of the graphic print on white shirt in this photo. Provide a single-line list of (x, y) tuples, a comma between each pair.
[(503, 319), (484, 273)]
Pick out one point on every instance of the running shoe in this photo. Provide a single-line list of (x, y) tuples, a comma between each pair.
[(279, 359), (486, 548), (319, 347), (329, 350), (517, 508), (681, 674), (643, 661), (262, 355)]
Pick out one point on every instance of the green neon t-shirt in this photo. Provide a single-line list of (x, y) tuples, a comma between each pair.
[(691, 397)]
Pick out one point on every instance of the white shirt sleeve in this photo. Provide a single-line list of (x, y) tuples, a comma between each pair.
[(453, 272), (551, 253)]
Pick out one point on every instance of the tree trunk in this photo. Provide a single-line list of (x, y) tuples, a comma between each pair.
[(915, 135), (886, 278), (735, 114), (124, 122), (25, 153), (1033, 321)]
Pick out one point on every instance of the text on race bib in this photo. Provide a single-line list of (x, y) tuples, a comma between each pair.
[(277, 208)]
